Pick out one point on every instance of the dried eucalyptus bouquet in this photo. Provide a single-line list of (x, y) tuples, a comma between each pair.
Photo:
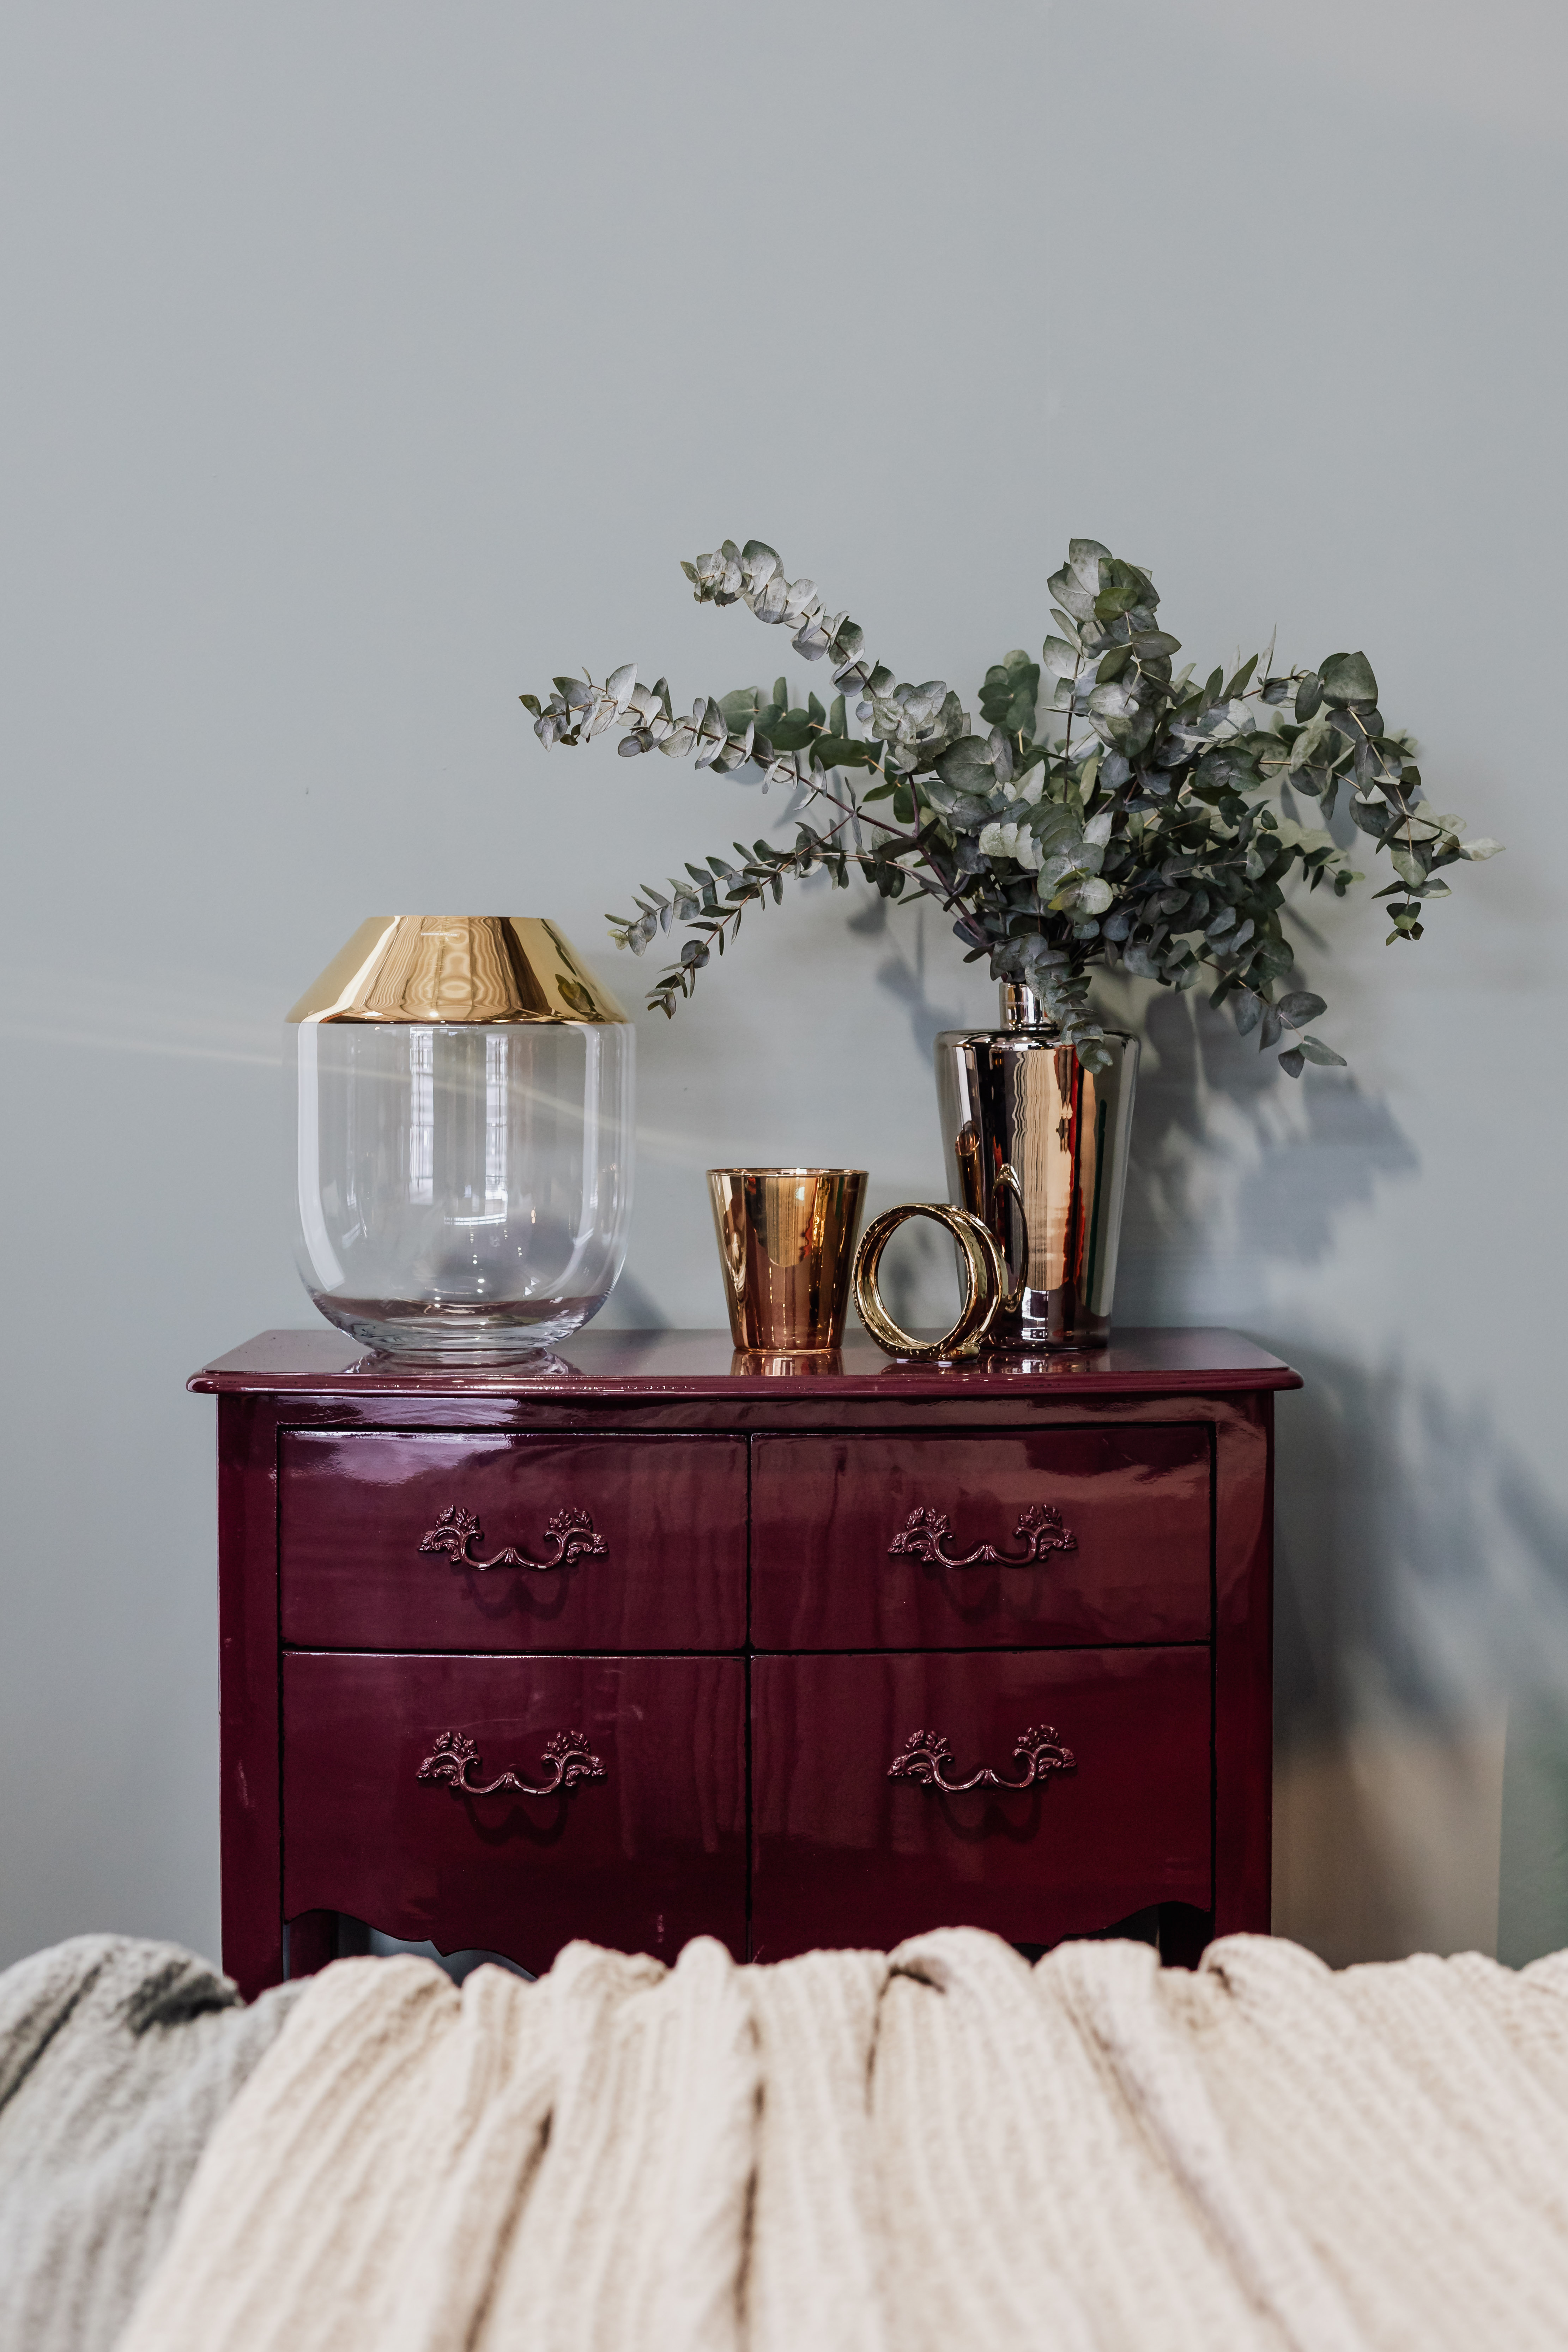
[(1128, 817)]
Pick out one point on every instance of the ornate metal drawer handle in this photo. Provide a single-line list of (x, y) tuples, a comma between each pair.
[(925, 1757), (567, 1755), (924, 1535), (571, 1532)]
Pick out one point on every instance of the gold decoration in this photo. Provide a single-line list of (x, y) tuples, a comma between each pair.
[(786, 1241), (458, 971), (980, 1259)]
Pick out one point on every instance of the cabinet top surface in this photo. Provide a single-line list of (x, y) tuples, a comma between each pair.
[(627, 1365)]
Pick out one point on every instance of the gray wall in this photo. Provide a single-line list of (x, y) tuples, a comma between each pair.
[(364, 364)]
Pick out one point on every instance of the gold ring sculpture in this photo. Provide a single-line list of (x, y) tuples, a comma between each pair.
[(980, 1259)]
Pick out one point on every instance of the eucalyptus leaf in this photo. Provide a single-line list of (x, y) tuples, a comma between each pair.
[(966, 764), (842, 751), (1347, 678), (1072, 595), (1085, 557), (1118, 594), (793, 732), (1009, 694)]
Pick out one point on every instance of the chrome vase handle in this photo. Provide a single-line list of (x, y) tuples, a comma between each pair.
[(925, 1532), (925, 1757), (571, 1532), (568, 1760), (1009, 1190)]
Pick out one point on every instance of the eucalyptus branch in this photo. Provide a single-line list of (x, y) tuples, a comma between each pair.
[(761, 868), (1153, 848)]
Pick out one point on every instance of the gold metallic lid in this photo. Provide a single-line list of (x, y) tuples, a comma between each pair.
[(457, 970)]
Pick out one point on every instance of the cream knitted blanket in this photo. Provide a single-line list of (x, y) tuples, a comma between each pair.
[(117, 2058), (933, 2150)]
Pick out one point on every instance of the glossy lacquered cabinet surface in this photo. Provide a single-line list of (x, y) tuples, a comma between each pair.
[(400, 1541), (1048, 1537), (648, 1856), (728, 1640), (842, 1854)]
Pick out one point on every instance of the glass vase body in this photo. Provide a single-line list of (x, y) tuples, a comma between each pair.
[(463, 1139)]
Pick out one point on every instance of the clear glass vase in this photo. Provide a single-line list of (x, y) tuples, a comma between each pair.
[(464, 1094)]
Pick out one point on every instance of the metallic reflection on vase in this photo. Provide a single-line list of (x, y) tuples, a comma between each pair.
[(1037, 1148)]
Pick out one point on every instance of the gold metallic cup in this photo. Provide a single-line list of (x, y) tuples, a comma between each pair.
[(980, 1261), (786, 1243)]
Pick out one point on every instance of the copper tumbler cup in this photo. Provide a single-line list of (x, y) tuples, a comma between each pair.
[(786, 1241)]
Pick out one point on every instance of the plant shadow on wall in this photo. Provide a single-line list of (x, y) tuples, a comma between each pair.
[(1422, 1568), (902, 972), (1229, 1172), (1422, 1599)]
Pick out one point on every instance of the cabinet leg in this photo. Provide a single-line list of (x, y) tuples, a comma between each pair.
[(1184, 1934), (312, 1942)]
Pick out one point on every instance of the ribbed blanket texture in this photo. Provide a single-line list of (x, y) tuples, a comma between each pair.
[(928, 2151), (117, 2058)]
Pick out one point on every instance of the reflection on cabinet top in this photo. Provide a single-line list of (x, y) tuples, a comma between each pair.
[(695, 1379)]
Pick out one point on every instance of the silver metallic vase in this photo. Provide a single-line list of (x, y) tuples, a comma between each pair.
[(1036, 1148)]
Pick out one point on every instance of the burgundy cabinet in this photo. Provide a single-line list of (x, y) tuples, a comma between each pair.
[(1052, 1792), (659, 1644)]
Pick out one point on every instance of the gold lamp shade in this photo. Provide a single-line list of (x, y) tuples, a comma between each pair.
[(456, 971)]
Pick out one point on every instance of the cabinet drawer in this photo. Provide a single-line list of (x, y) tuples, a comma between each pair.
[(648, 1852), (844, 1855), (1093, 1535), (641, 1542)]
